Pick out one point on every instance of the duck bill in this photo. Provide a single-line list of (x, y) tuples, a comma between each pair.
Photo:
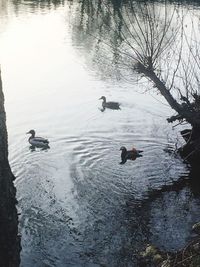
[(28, 133)]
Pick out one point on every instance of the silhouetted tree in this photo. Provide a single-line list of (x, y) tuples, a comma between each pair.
[(158, 41), (162, 44)]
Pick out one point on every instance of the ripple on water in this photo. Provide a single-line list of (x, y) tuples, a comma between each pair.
[(76, 194), (96, 163), (79, 187)]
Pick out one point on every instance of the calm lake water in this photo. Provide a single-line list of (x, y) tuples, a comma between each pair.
[(78, 205)]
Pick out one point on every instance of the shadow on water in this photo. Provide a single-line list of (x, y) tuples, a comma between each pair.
[(163, 218), (104, 108), (172, 211), (35, 148), (116, 222)]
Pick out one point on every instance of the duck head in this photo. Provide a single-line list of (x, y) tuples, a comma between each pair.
[(123, 149), (32, 132), (103, 98), (123, 155)]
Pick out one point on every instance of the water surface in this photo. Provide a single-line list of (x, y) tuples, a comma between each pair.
[(79, 206)]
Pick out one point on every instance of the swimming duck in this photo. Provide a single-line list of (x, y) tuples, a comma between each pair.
[(111, 105), (37, 141), (129, 154)]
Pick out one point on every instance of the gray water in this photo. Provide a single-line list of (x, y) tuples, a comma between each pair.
[(78, 205)]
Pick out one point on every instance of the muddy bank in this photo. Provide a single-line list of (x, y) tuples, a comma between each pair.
[(9, 240)]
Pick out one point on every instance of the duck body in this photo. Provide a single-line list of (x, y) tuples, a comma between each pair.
[(110, 104), (37, 141), (129, 154)]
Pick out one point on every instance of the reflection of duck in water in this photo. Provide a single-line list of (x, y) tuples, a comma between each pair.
[(111, 105), (129, 154), (37, 141)]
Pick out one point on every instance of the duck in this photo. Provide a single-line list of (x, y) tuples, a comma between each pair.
[(37, 141), (110, 104), (129, 154)]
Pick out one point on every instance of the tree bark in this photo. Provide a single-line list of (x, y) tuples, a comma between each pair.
[(9, 239), (184, 111)]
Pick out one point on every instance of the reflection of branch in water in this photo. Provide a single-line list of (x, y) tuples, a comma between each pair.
[(191, 181)]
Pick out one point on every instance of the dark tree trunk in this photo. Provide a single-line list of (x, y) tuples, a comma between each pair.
[(186, 111), (9, 240), (190, 152)]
